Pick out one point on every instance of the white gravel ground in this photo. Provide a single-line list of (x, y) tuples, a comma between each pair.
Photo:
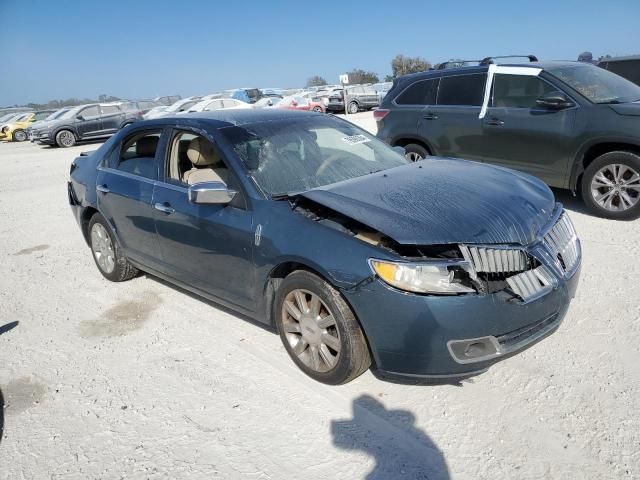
[(141, 380)]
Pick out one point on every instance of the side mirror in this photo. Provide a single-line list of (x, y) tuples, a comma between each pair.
[(294, 103), (554, 101), (79, 117), (215, 193)]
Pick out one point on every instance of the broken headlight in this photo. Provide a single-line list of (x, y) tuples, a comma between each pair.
[(431, 277)]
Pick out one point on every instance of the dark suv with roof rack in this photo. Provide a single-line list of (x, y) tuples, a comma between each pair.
[(574, 125)]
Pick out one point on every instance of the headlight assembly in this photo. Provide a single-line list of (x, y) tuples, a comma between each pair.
[(428, 277)]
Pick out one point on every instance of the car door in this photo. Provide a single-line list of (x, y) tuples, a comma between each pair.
[(125, 185), (112, 118), (206, 246), (452, 126), (88, 121), (370, 97), (522, 135), (410, 106)]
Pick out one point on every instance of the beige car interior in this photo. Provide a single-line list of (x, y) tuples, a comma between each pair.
[(194, 160)]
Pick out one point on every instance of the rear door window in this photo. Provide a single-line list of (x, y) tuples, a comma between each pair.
[(110, 109), (423, 92), (138, 153), (462, 90), (90, 112)]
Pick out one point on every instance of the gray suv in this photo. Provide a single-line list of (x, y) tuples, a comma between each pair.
[(574, 125), (359, 97)]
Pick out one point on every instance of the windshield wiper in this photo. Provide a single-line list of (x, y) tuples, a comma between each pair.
[(279, 196)]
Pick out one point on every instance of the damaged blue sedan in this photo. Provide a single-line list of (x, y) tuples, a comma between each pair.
[(357, 256)]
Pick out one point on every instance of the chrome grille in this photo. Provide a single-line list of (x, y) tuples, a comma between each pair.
[(495, 260), (532, 284), (563, 243)]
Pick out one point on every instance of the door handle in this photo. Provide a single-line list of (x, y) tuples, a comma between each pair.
[(430, 116), (163, 207), (103, 189), (495, 121)]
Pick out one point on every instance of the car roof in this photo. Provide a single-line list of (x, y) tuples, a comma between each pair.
[(228, 118), (483, 68)]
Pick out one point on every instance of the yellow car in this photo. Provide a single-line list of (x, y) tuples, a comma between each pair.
[(16, 131)]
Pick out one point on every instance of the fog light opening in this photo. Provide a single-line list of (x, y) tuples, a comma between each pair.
[(476, 349)]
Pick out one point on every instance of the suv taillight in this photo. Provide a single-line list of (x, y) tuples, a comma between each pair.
[(380, 113)]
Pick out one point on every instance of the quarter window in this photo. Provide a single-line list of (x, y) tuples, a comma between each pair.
[(138, 153), (420, 93), (467, 90), (518, 91)]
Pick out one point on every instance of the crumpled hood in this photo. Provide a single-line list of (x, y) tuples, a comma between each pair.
[(441, 201), (630, 109)]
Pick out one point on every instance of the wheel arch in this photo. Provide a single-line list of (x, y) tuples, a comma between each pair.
[(285, 268), (404, 141), (592, 151), (65, 127)]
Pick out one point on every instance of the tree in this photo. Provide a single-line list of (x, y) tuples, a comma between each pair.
[(402, 65), (388, 78), (316, 81), (358, 76)]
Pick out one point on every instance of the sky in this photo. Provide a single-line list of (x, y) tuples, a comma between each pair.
[(57, 49)]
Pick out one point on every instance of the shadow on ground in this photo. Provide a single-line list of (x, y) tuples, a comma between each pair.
[(8, 326), (1, 416), (399, 448), (571, 202)]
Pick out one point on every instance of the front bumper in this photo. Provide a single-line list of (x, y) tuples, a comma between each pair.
[(415, 336)]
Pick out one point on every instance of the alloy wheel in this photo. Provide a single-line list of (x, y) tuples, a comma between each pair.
[(616, 187), (19, 136), (413, 156), (353, 108), (311, 330), (102, 248), (66, 138)]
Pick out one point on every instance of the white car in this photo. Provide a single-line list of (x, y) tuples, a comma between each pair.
[(181, 105), (217, 104)]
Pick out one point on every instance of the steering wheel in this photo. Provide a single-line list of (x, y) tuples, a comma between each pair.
[(328, 161)]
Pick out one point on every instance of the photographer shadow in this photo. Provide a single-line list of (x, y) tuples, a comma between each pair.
[(399, 448)]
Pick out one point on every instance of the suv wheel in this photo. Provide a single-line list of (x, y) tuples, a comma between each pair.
[(319, 330), (611, 186), (107, 253), (65, 138), (415, 152), (19, 136), (353, 107)]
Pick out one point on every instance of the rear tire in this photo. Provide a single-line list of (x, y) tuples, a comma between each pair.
[(106, 252), (353, 108), (65, 138), (610, 186), (19, 136), (415, 152), (323, 338), (317, 109)]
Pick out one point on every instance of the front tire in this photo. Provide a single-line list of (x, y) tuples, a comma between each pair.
[(65, 138), (107, 254), (317, 109), (319, 330), (415, 152), (353, 108), (610, 186), (19, 136)]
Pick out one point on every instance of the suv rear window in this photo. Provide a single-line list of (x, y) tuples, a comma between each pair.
[(462, 90), (420, 93)]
